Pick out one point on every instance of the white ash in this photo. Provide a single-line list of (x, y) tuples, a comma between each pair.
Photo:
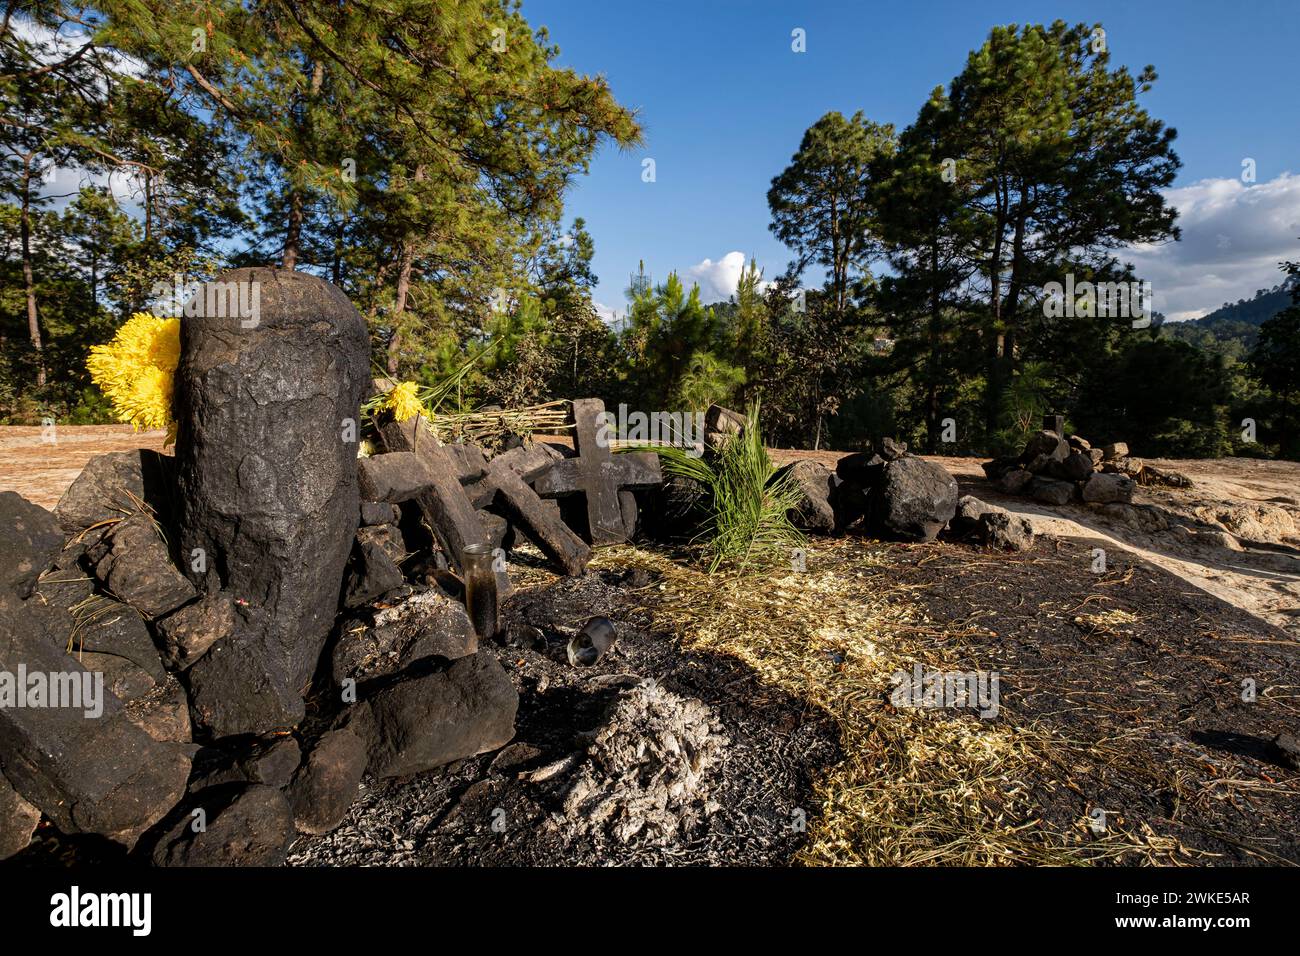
[(646, 769)]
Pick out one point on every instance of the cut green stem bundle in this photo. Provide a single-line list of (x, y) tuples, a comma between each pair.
[(749, 510)]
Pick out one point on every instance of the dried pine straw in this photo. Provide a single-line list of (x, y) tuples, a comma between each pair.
[(915, 787), (490, 426)]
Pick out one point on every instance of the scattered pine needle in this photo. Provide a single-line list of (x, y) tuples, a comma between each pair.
[(916, 787)]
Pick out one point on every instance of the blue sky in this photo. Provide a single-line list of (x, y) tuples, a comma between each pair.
[(724, 102)]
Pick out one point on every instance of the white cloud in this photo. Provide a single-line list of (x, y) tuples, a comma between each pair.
[(1234, 236), (607, 314), (717, 280)]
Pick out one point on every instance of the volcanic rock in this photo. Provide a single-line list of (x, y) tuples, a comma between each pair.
[(813, 479), (162, 711), (1050, 491), (394, 477), (88, 773), (423, 624), (239, 825), (468, 460), (915, 500), (122, 679), (379, 513), (271, 761), (139, 571), (528, 461), (1286, 748), (498, 530), (29, 541), (430, 720), (1077, 466), (266, 457), (850, 500), (99, 626), (373, 569), (1105, 488), (967, 515), (18, 819), (191, 631), (862, 468), (1004, 531), (891, 450), (1014, 481), (995, 469), (326, 784), (115, 484), (1042, 449), (721, 424)]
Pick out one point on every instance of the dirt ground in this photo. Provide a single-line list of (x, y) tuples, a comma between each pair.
[(1122, 736), (40, 464), (777, 745), (1235, 533)]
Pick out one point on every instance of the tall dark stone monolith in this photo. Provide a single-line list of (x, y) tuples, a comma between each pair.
[(267, 403)]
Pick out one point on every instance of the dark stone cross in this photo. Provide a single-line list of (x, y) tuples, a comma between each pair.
[(599, 475), (445, 505)]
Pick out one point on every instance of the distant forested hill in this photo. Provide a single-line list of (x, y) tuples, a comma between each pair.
[(1232, 328)]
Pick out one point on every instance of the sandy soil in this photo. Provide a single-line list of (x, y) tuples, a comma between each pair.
[(1234, 534), (40, 466)]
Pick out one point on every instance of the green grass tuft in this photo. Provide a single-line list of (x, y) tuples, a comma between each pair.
[(749, 514)]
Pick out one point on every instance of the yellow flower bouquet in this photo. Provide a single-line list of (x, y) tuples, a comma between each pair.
[(136, 371)]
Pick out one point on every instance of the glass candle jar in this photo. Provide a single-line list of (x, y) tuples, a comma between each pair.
[(481, 599)]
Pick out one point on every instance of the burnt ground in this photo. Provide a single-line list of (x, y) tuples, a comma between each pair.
[(778, 746), (1136, 675), (1143, 674)]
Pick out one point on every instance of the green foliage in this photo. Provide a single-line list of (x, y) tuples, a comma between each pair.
[(1275, 360), (1024, 402), (415, 154), (749, 519), (1165, 398), (708, 380), (668, 342), (823, 204), (412, 158)]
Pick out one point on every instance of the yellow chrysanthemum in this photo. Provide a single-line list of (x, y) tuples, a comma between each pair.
[(404, 401), (136, 371)]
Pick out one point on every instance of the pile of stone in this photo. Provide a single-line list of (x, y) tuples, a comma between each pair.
[(888, 493), (201, 656), (1056, 468)]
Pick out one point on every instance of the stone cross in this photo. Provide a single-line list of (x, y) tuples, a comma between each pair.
[(598, 474), (542, 524), (445, 505)]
